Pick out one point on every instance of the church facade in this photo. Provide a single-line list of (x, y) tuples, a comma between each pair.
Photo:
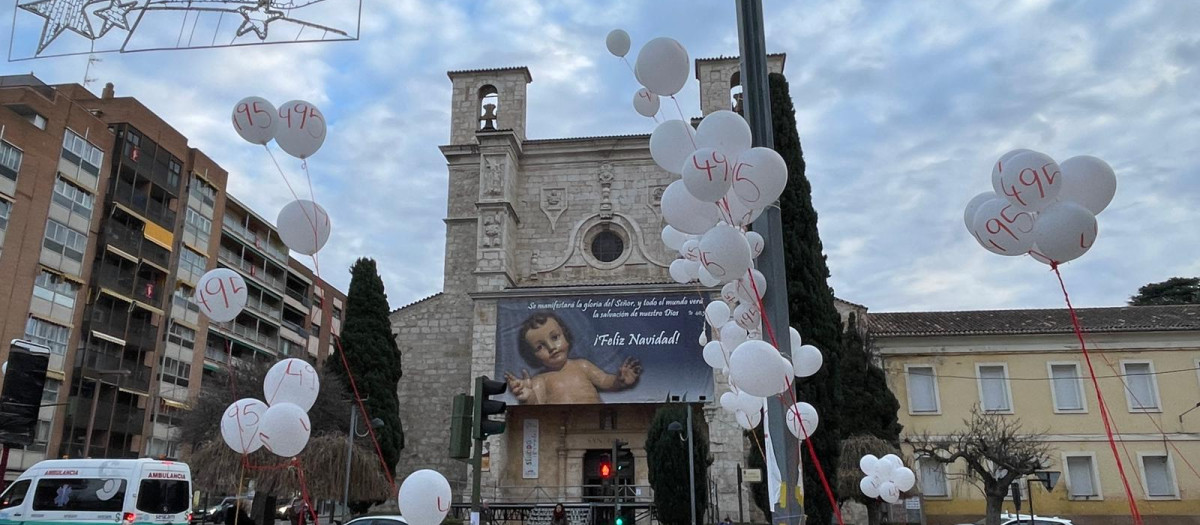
[(543, 223)]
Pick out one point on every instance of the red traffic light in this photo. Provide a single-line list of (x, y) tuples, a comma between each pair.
[(605, 470)]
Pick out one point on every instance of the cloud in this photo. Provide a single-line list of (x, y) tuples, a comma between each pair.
[(901, 107)]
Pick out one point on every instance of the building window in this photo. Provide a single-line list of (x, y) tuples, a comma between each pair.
[(337, 313), (52, 287), (1142, 389), (1066, 387), (198, 225), (202, 192), (182, 297), (173, 172), (994, 395), (192, 263), (79, 151), (10, 160), (1082, 482), (48, 334), (73, 198), (1159, 476), (62, 239), (5, 211), (181, 335), (50, 391), (922, 390), (175, 372), (933, 477), (607, 246)]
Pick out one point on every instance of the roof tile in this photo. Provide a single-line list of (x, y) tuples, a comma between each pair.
[(1040, 321)]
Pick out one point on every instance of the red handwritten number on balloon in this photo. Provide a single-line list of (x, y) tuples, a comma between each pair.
[(249, 111), (220, 288), (1013, 220), (713, 162), (738, 178)]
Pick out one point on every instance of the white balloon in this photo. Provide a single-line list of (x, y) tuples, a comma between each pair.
[(732, 336), (284, 429), (750, 291), (868, 487), (645, 103), (748, 403), (867, 464), (424, 498), (904, 478), (804, 426), (1088, 182), (671, 144), (806, 360), (690, 249), (617, 42), (703, 338), (884, 468), (707, 174), (729, 293), (725, 253), (291, 381), (678, 271), (756, 243), (301, 129), (1065, 231), (673, 238), (1036, 254), (1002, 229), (747, 316), (889, 492), (717, 313), (662, 66), (684, 213), (692, 268), (220, 294), (740, 213), (748, 420), (973, 207), (794, 338), (304, 226), (894, 460), (255, 119), (724, 131), (239, 425), (729, 401), (714, 356), (759, 176), (706, 278), (1031, 181), (999, 167), (758, 369)]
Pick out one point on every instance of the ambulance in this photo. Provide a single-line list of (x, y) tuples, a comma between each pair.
[(109, 491)]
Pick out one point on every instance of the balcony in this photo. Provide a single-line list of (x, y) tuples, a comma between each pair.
[(119, 419), (96, 361), (270, 313), (156, 254), (115, 279), (250, 238), (148, 290), (256, 272), (142, 335), (123, 237), (140, 202), (296, 328), (299, 295), (250, 335)]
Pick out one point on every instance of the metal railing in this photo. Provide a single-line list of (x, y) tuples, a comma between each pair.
[(256, 272), (250, 237), (272, 312), (123, 237)]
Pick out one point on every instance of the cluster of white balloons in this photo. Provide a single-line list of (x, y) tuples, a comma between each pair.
[(299, 128), (1041, 207), (886, 477), (281, 424), (424, 498)]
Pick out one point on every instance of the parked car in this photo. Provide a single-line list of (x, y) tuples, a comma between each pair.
[(1025, 519), (394, 519)]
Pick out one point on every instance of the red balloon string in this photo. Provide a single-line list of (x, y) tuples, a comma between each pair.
[(812, 452), (1133, 508), (366, 416)]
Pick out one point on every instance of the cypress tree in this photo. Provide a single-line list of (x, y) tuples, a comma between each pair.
[(667, 459), (373, 357), (810, 302), (869, 407)]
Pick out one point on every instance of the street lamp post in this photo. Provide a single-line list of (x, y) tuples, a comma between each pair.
[(675, 427), (376, 423)]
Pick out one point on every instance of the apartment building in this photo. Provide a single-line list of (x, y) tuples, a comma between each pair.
[(1027, 364), (107, 220)]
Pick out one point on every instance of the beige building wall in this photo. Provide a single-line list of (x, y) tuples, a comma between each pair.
[(1145, 414)]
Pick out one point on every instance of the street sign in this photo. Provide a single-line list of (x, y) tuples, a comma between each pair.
[(752, 475)]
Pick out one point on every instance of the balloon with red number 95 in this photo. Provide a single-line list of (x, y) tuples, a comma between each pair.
[(301, 129), (1031, 181), (255, 119), (221, 294), (1002, 229)]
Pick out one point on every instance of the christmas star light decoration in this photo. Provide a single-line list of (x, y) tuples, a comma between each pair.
[(257, 18), (60, 15), (115, 15)]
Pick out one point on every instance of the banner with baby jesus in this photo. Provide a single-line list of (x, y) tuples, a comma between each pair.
[(602, 349)]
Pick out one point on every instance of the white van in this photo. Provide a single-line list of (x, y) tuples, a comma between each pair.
[(109, 491)]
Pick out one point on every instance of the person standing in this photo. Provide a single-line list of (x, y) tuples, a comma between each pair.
[(559, 516)]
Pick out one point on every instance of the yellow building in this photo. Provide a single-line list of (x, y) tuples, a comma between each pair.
[(1028, 364)]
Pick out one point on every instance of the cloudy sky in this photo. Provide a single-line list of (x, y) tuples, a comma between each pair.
[(902, 107)]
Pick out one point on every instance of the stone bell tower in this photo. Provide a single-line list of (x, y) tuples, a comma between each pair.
[(488, 99), (720, 80)]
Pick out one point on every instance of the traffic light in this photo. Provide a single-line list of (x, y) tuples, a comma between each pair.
[(484, 407), (620, 520), (622, 457), (606, 468), (460, 427)]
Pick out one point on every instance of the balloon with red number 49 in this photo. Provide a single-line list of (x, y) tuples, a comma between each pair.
[(1031, 181), (301, 129), (255, 119), (221, 294), (424, 498)]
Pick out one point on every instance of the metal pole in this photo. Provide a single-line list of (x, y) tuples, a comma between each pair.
[(691, 464), (476, 470), (1030, 485), (4, 467), (741, 516), (87, 439), (756, 107), (349, 457)]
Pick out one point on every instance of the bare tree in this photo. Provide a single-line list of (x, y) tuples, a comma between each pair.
[(996, 449)]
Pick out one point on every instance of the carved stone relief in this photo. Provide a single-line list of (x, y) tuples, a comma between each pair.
[(493, 230), (493, 176), (554, 203)]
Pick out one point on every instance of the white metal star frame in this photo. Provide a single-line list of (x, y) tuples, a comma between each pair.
[(40, 27)]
